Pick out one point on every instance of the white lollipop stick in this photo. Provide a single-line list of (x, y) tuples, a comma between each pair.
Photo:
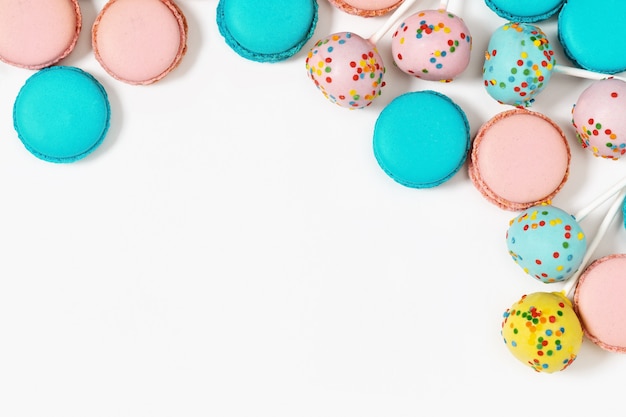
[(583, 73), (604, 226), (599, 200), (443, 5), (391, 21)]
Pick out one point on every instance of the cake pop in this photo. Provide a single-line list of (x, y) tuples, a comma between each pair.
[(519, 158), (598, 118), (35, 34), (542, 329), (347, 68), (366, 8), (528, 11), (433, 45), (519, 63), (547, 242)]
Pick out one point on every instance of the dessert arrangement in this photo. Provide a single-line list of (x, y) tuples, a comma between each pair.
[(518, 160)]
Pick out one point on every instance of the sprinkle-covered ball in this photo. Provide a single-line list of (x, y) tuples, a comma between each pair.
[(547, 243), (518, 64), (434, 45), (543, 331), (347, 69), (598, 117)]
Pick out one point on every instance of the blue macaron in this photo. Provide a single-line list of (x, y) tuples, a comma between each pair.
[(269, 30), (61, 114), (527, 11), (421, 139), (592, 34)]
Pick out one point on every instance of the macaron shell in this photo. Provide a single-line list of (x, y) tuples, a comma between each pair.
[(601, 47), (599, 302), (529, 11), (139, 41), (366, 8), (61, 114), (519, 158), (267, 31), (35, 34), (421, 139), (598, 117)]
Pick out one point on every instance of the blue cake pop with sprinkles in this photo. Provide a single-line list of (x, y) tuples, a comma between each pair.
[(518, 64)]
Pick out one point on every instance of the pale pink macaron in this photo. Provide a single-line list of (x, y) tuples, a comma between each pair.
[(599, 302), (519, 159), (366, 8), (139, 41), (35, 34)]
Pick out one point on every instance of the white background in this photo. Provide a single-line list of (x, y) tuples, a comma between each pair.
[(233, 249)]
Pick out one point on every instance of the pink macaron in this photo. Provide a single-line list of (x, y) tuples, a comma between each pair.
[(366, 8), (139, 41), (35, 34), (599, 302), (519, 159)]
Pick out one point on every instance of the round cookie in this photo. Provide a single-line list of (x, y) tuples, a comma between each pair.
[(598, 118), (599, 302), (547, 243), (542, 331), (602, 49), (35, 34), (433, 45), (139, 41), (519, 159), (366, 8), (61, 114), (518, 64), (266, 31), (421, 139), (528, 11)]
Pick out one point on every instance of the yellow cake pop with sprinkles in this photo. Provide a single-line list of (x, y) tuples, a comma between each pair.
[(543, 331)]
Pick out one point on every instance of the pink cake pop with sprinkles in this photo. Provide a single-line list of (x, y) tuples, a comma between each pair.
[(598, 118), (433, 45), (347, 68)]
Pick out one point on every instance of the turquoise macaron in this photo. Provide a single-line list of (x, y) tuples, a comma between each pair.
[(269, 30), (61, 114), (527, 11), (592, 34), (421, 139)]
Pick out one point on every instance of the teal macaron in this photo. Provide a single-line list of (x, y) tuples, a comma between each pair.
[(421, 139), (61, 114), (527, 11), (269, 30)]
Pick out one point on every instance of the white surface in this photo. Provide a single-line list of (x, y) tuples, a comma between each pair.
[(233, 249)]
